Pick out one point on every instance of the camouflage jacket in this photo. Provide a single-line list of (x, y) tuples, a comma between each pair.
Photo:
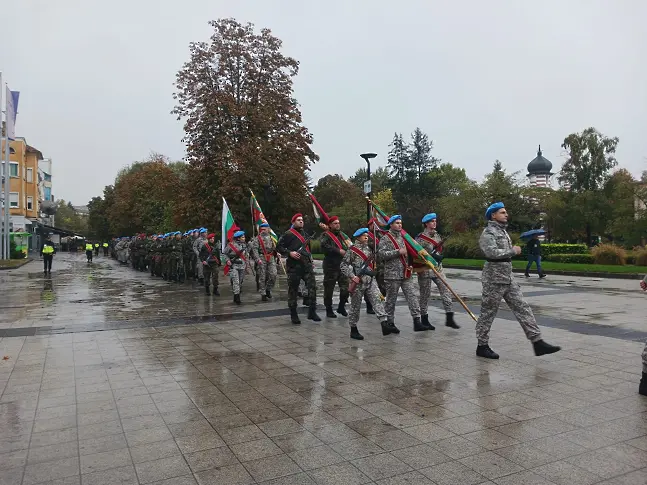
[(187, 247), (393, 267), (255, 250), (352, 263), (209, 254), (230, 255), (197, 242), (429, 248), (496, 245)]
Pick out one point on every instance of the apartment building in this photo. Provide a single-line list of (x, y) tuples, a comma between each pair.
[(25, 185)]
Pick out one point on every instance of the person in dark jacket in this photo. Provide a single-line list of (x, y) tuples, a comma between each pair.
[(334, 245), (47, 252), (534, 256)]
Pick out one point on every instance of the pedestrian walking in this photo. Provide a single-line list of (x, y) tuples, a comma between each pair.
[(498, 283), (534, 255), (88, 251)]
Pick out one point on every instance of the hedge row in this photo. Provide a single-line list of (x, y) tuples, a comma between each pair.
[(571, 258)]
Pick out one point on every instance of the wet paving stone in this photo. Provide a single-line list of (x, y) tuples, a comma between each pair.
[(120, 378)]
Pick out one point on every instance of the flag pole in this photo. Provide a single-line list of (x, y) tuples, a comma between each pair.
[(4, 181), (7, 181)]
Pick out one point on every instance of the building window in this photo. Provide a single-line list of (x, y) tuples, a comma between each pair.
[(14, 199), (30, 175), (13, 169), (30, 203)]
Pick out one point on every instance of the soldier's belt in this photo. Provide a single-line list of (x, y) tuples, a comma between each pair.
[(504, 260)]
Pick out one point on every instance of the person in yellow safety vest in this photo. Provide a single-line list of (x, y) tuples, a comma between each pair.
[(88, 251), (96, 249), (47, 251), (105, 248)]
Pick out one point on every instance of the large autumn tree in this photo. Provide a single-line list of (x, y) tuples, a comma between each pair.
[(243, 127)]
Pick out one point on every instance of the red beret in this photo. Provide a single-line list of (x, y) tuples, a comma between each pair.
[(211, 235), (333, 219), (296, 216)]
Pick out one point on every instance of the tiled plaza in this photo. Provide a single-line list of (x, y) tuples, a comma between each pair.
[(96, 393)]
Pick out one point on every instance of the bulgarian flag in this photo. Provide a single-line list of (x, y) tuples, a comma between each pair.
[(323, 218), (229, 227), (258, 216), (421, 258)]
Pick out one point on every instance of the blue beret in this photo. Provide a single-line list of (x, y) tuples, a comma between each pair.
[(492, 209), (429, 218), (239, 233), (394, 218), (360, 231), (265, 224), (202, 230)]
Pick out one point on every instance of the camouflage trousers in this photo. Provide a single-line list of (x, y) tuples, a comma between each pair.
[(411, 293), (266, 273), (491, 299), (199, 269), (188, 266), (295, 275), (210, 275), (424, 281), (236, 276), (331, 278), (371, 292), (645, 359)]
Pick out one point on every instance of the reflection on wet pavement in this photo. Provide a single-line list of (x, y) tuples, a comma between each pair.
[(258, 400)]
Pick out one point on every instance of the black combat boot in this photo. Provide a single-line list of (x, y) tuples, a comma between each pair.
[(341, 309), (369, 308), (294, 316), (237, 299), (263, 297), (425, 322), (449, 321), (312, 314), (329, 312), (268, 294), (542, 348), (354, 333), (393, 328), (418, 326), (386, 328), (486, 351), (215, 291), (306, 301), (643, 385)]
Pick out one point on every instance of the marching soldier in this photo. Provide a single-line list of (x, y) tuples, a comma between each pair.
[(432, 242), (197, 242), (176, 259), (294, 245), (236, 255), (498, 283), (334, 247), (397, 273), (210, 261), (359, 266), (263, 251)]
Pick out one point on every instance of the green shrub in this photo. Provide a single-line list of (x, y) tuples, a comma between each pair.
[(640, 257), (548, 249), (572, 258), (463, 245), (609, 254), (14, 253)]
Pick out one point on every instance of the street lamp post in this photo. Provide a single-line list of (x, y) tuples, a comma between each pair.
[(369, 193)]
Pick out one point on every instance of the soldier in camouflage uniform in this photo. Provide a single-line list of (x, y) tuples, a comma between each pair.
[(236, 257), (199, 236), (642, 389), (397, 273), (294, 245), (358, 261), (334, 245), (432, 242), (211, 262), (176, 258), (188, 255), (262, 250), (152, 254), (498, 282)]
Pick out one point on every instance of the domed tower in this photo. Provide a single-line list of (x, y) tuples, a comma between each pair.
[(539, 171)]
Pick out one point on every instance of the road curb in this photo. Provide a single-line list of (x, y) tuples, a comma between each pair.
[(28, 260), (592, 274)]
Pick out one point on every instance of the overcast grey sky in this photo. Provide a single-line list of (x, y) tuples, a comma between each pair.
[(485, 79)]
